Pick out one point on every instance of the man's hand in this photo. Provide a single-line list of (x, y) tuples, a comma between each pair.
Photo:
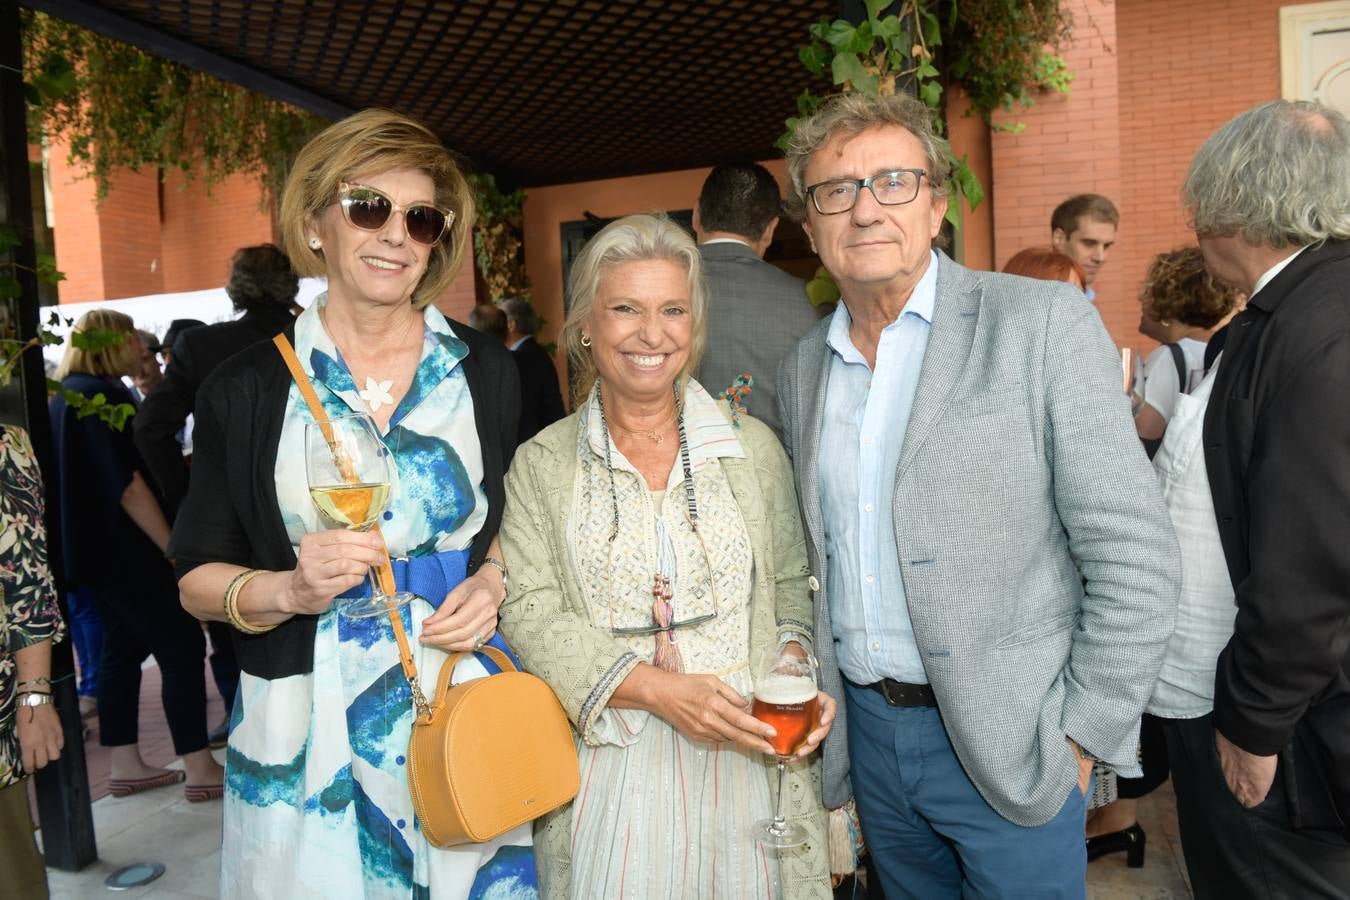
[(1084, 766), (1249, 777)]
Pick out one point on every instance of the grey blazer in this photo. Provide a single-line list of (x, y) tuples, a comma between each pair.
[(756, 314), (1020, 467)]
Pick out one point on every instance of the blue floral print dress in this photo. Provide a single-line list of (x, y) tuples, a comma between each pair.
[(317, 802)]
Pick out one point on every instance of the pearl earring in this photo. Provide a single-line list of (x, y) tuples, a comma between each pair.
[(315, 243)]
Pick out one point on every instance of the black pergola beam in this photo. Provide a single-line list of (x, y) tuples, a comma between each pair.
[(122, 28), (63, 786)]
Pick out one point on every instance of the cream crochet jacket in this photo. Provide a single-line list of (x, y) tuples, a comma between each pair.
[(546, 620)]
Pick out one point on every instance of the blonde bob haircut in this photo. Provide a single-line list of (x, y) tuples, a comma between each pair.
[(109, 362), (368, 143), (851, 114), (631, 239)]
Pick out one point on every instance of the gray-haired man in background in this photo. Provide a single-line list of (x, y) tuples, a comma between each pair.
[(1269, 196)]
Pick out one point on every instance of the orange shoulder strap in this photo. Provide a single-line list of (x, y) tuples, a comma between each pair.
[(384, 572)]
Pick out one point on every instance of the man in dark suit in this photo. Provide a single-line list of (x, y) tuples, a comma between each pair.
[(1269, 195), (263, 286), (756, 311), (540, 398)]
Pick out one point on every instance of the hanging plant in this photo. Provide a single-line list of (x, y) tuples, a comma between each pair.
[(497, 238), (118, 106)]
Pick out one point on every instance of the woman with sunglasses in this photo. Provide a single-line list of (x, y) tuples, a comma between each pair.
[(655, 553), (317, 800)]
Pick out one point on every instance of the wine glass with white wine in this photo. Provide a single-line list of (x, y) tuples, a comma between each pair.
[(786, 697), (350, 470)]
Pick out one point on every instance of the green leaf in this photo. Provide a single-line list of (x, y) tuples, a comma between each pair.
[(807, 103), (931, 93), (968, 183), (93, 340), (840, 35), (9, 239), (926, 70), (932, 30), (10, 289), (953, 215), (847, 68), (875, 8), (889, 28), (47, 272), (815, 58), (821, 289)]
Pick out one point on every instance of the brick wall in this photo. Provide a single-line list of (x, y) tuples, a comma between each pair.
[(1069, 145), (79, 249), (1185, 69), (1152, 80), (129, 232), (202, 229)]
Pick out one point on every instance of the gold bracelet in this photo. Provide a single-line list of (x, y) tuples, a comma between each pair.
[(232, 603)]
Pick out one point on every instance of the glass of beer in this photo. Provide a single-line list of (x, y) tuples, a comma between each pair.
[(786, 698), (350, 470)]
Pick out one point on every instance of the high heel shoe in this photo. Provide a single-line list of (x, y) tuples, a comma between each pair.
[(1131, 840)]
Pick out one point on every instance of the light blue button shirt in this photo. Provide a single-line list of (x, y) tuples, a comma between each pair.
[(866, 416)]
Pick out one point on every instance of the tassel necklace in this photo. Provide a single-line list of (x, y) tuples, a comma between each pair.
[(667, 655)]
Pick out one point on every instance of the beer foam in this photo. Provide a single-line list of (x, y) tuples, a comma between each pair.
[(786, 689)]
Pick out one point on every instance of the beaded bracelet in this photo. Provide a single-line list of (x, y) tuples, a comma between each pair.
[(232, 603)]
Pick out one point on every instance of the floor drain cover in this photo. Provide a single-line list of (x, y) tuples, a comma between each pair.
[(133, 876)]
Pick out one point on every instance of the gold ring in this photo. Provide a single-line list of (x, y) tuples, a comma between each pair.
[(478, 642)]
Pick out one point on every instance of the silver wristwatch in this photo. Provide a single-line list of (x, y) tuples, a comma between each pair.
[(35, 698)]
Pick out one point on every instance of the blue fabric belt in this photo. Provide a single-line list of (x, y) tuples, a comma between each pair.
[(432, 577)]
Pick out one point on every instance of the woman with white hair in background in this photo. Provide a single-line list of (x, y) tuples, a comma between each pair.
[(656, 553)]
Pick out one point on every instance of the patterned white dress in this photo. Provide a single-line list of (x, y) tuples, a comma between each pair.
[(658, 815), (317, 802)]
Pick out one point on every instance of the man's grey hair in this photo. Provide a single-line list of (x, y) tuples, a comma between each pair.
[(851, 114), (519, 310), (1277, 175)]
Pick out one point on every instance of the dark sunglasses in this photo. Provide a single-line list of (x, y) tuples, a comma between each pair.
[(368, 209)]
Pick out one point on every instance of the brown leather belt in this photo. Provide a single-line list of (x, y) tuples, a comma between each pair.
[(898, 693)]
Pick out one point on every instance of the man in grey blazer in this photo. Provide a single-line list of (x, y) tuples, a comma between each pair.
[(996, 573), (756, 311)]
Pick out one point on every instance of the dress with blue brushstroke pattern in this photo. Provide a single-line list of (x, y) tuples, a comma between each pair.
[(317, 802)]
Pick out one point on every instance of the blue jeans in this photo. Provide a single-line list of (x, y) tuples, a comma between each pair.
[(86, 630), (930, 833)]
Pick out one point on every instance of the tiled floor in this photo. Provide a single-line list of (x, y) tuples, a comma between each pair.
[(162, 826)]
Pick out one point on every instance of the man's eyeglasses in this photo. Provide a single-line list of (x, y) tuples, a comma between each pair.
[(369, 209), (893, 188)]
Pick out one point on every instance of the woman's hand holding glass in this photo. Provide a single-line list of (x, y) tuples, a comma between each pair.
[(705, 708), (467, 618), (351, 473), (330, 563)]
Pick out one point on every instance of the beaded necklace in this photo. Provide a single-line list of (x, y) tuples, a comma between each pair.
[(667, 655)]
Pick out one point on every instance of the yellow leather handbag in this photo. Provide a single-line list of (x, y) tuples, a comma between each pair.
[(487, 755)]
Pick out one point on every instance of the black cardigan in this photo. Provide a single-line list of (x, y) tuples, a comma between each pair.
[(231, 513)]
